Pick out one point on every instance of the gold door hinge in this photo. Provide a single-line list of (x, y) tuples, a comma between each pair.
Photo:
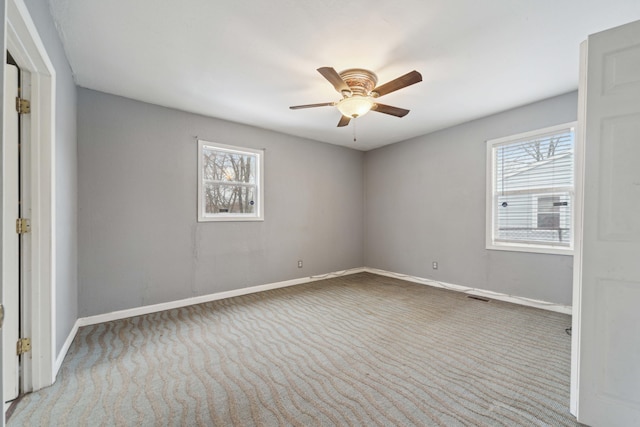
[(24, 345), (23, 225), (23, 106)]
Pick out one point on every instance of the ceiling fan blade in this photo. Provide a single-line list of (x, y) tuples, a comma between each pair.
[(323, 104), (334, 78), (388, 109), (344, 120), (408, 79)]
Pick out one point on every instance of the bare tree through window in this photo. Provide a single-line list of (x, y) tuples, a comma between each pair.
[(230, 182), (541, 149)]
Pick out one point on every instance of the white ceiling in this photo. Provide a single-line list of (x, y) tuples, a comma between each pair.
[(248, 60)]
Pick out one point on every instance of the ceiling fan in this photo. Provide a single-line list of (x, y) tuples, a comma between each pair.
[(359, 91)]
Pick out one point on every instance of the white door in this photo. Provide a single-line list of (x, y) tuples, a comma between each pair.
[(609, 311), (10, 239)]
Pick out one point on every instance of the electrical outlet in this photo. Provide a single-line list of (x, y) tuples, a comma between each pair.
[(299, 263), (435, 265)]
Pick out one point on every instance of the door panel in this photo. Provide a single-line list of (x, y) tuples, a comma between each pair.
[(609, 351), (618, 73), (618, 299), (619, 179), (10, 251)]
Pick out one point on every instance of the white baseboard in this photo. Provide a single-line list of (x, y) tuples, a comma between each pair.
[(147, 309), (529, 302), (65, 349), (154, 308)]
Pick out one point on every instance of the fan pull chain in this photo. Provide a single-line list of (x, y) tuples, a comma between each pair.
[(354, 130)]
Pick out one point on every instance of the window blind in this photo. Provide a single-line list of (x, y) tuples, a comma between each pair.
[(533, 189)]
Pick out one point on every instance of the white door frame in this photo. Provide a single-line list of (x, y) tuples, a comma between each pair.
[(578, 232), (25, 45)]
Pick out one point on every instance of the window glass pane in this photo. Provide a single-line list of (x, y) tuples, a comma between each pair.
[(544, 162), (223, 198), (224, 166), (520, 221)]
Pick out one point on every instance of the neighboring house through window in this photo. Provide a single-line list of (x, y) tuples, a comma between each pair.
[(530, 191), (548, 212), (229, 183)]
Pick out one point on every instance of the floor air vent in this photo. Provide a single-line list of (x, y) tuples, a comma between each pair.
[(478, 298)]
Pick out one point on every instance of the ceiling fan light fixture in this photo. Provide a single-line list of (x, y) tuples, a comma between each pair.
[(359, 90), (355, 106)]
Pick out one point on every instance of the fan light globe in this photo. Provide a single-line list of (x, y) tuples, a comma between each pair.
[(355, 106)]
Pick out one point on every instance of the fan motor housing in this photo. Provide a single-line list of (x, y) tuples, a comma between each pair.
[(360, 81)]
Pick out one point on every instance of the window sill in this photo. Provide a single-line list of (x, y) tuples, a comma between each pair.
[(230, 219), (519, 247)]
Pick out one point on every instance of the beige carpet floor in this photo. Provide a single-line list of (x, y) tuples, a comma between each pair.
[(356, 350)]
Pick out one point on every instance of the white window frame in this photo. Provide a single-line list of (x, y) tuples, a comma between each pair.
[(258, 215), (491, 242)]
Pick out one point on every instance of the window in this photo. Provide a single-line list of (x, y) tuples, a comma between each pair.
[(229, 183), (530, 191)]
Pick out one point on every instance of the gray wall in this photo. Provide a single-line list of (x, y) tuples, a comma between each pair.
[(139, 240), (66, 294), (425, 201)]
